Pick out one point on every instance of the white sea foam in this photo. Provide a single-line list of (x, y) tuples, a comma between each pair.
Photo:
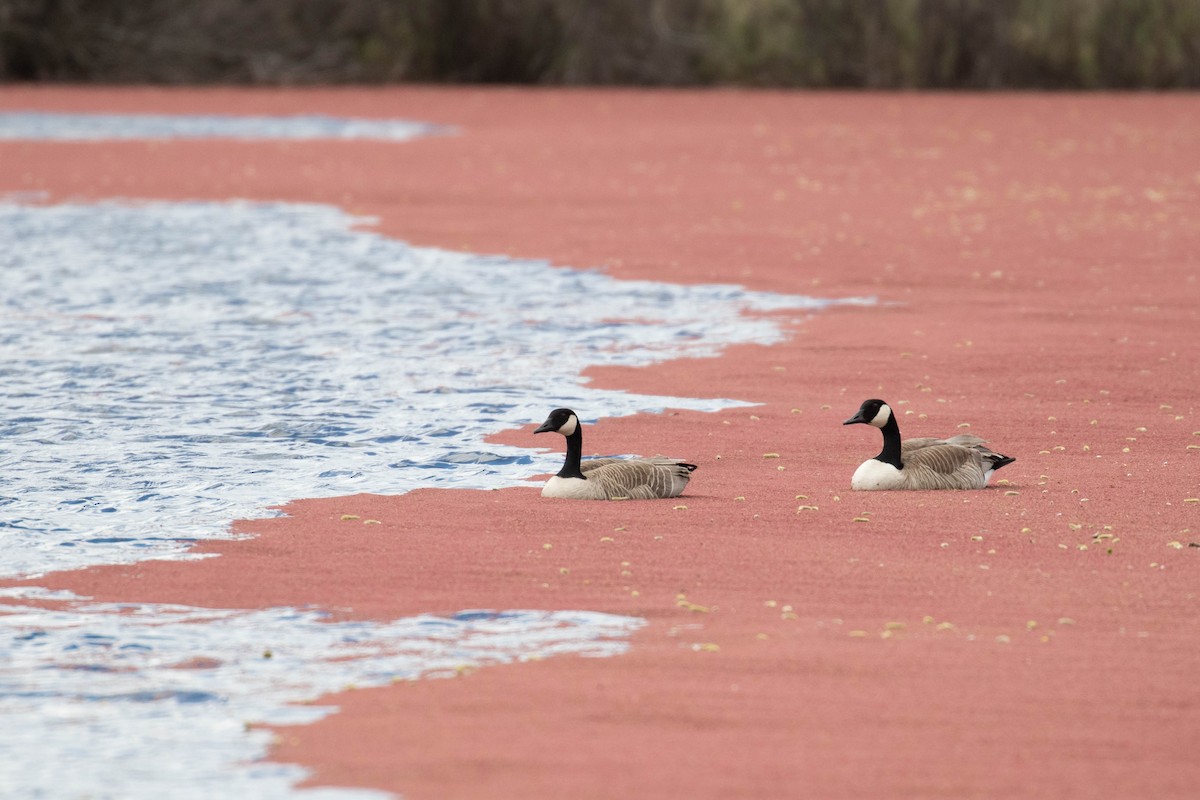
[(170, 367), (83, 127), (128, 700)]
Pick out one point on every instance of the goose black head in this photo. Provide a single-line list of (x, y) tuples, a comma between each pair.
[(561, 420), (872, 412)]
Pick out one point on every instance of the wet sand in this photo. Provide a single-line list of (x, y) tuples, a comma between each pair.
[(1035, 258)]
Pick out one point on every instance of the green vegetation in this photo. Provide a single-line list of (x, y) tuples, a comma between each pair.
[(968, 44)]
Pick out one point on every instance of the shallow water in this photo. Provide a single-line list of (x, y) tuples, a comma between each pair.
[(74, 127), (102, 700), (171, 367)]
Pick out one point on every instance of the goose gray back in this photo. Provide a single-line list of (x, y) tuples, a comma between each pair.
[(609, 478), (959, 462)]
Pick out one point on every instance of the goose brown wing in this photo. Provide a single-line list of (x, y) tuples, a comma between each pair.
[(920, 443), (944, 466), (589, 464), (943, 459), (962, 440), (641, 479)]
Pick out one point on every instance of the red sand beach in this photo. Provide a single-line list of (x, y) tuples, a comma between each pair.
[(1036, 258)]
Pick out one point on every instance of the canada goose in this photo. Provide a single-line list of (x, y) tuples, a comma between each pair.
[(609, 478), (960, 462)]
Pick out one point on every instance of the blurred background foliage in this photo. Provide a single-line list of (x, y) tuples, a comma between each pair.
[(925, 44)]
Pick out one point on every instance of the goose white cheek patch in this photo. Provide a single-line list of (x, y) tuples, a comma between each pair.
[(882, 416)]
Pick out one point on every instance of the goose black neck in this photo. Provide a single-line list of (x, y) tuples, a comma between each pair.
[(574, 453), (890, 454)]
